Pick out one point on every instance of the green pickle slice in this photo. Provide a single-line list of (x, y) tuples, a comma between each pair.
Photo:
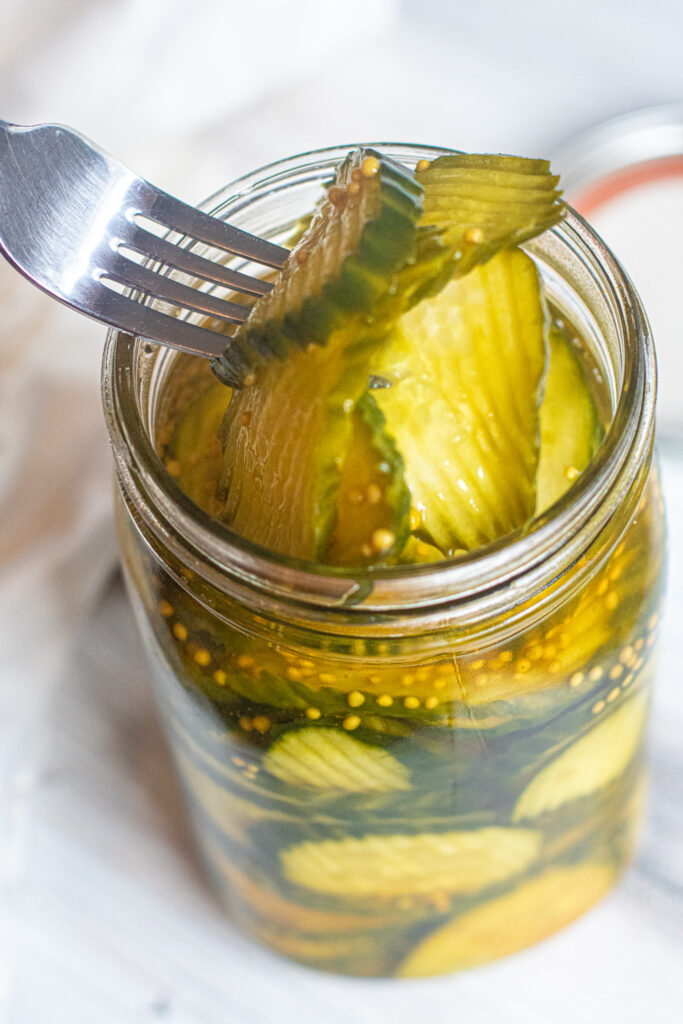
[(283, 446), (263, 899), (373, 501), (465, 371), (389, 866), (330, 759), (570, 426)]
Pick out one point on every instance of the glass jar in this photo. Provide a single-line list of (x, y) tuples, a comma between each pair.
[(417, 769)]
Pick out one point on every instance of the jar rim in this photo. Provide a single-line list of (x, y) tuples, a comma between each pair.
[(522, 559)]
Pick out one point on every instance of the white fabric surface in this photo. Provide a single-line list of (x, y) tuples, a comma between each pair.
[(103, 913)]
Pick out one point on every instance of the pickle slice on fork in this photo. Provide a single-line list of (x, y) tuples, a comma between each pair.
[(370, 254), (483, 203), (342, 268), (285, 437)]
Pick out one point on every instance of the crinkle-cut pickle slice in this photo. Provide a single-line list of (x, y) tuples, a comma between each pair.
[(343, 266), (372, 503), (388, 866), (570, 426), (330, 759), (483, 203), (362, 263), (284, 443), (511, 922), (589, 764), (465, 369)]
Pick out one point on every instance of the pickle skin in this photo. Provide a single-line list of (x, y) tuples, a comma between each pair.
[(344, 265), (367, 510), (330, 759)]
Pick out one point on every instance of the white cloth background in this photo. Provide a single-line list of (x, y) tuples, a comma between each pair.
[(104, 916)]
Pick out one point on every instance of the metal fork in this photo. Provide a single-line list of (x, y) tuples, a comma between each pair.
[(85, 229)]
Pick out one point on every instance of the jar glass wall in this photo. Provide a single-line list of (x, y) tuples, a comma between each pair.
[(423, 768)]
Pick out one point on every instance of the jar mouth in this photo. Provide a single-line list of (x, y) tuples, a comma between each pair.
[(525, 559)]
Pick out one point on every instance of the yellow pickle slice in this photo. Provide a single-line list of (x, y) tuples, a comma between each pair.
[(502, 926), (481, 203), (390, 866), (465, 369)]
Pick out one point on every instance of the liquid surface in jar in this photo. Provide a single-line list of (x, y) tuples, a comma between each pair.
[(382, 812)]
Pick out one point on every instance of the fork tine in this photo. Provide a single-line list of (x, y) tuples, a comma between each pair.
[(148, 244), (120, 311), (189, 221), (159, 286)]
